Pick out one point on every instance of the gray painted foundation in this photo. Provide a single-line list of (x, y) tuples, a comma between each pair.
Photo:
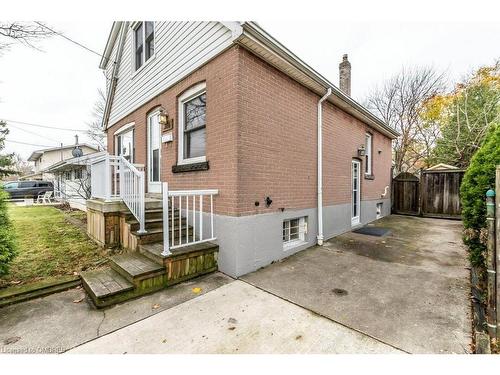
[(248, 243)]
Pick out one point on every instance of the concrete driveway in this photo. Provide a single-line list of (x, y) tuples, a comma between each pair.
[(235, 318), (409, 289)]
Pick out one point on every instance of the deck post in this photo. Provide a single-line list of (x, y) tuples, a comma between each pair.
[(166, 239), (107, 180), (491, 316)]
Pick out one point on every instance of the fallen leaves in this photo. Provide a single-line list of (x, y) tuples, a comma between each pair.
[(196, 290), (11, 340), (156, 306), (79, 300)]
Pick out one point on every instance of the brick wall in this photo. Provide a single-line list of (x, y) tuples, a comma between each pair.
[(220, 75), (278, 144), (261, 140)]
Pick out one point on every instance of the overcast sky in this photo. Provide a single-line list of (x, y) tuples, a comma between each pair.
[(58, 86)]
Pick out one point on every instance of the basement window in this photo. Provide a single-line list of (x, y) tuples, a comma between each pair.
[(294, 231)]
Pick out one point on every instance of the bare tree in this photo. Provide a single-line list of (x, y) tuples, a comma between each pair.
[(27, 33), (399, 103), (95, 131)]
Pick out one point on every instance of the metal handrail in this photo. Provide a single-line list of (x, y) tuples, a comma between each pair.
[(193, 210)]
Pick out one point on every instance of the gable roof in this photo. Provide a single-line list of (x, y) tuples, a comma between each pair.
[(35, 155), (255, 39)]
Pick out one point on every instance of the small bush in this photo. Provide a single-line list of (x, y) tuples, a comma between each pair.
[(7, 243), (479, 177)]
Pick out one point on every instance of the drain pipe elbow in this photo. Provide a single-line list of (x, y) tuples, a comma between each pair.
[(320, 166)]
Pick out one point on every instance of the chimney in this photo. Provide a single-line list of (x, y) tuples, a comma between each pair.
[(345, 75)]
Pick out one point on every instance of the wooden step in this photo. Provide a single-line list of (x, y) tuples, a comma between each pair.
[(107, 287), (155, 213), (151, 203), (154, 250), (153, 223), (103, 284), (135, 267), (156, 234)]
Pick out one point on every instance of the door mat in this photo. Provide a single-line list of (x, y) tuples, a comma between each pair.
[(373, 231)]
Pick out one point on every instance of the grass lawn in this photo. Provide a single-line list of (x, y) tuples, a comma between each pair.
[(48, 245)]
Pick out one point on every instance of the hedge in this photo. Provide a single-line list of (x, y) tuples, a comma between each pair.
[(7, 243), (479, 177)]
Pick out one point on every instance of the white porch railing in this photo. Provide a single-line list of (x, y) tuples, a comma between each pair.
[(115, 178), (187, 205)]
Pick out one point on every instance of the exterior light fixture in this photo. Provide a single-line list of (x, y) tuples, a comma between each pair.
[(163, 117), (361, 150), (165, 121)]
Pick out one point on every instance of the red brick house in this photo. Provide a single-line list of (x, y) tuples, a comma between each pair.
[(224, 109)]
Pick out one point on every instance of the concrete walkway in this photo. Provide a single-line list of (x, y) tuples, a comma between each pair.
[(235, 318), (61, 321), (409, 289)]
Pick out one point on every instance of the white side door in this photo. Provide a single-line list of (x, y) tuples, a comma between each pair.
[(154, 153), (356, 204)]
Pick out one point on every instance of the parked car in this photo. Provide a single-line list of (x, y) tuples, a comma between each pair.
[(27, 189)]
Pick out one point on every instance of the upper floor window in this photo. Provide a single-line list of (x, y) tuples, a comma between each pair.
[(192, 125), (368, 154), (144, 42)]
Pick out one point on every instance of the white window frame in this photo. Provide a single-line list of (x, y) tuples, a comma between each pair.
[(124, 129), (287, 244), (192, 93), (369, 153), (145, 62)]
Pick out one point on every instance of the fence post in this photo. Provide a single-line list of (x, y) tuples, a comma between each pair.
[(166, 234), (496, 243), (491, 264), (107, 180)]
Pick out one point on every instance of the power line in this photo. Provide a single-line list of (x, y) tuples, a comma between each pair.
[(33, 133), (71, 40), (28, 144), (45, 126)]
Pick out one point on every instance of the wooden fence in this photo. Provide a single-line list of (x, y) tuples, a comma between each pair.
[(434, 193)]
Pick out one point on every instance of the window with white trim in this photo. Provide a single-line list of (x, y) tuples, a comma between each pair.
[(368, 154), (78, 174), (294, 231), (144, 42), (125, 145), (192, 125)]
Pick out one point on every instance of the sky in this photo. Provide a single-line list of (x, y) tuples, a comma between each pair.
[(58, 85)]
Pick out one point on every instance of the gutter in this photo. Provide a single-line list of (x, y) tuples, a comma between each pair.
[(320, 165)]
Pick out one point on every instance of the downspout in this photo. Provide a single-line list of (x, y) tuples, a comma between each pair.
[(114, 76), (320, 165)]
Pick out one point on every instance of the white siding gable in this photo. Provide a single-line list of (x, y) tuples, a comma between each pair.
[(180, 48)]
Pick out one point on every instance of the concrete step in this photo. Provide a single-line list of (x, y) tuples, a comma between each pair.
[(135, 267)]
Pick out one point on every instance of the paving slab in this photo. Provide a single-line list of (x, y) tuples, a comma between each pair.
[(409, 289), (61, 321), (235, 318)]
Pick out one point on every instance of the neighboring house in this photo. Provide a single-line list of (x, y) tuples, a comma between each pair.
[(224, 105), (442, 166), (43, 159), (72, 179)]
